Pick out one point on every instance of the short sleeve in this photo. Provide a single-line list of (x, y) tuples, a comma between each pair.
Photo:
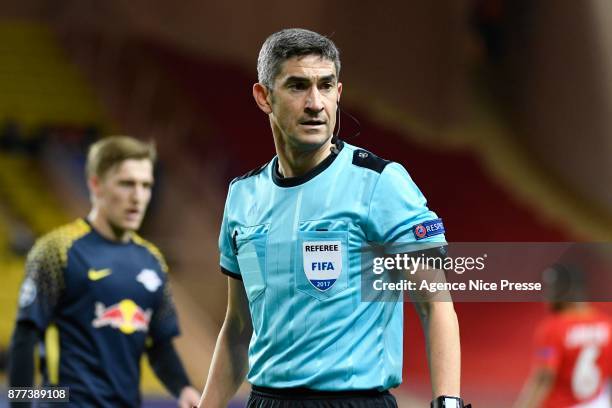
[(547, 352), (43, 283), (228, 260), (164, 323), (398, 211)]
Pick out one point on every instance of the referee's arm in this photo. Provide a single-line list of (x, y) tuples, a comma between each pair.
[(229, 364), (441, 329)]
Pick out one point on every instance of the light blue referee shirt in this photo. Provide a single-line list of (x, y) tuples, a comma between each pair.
[(296, 245)]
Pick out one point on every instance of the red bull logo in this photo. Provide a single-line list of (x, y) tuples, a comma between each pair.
[(126, 316)]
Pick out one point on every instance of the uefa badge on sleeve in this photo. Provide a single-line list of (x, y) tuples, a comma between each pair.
[(428, 229), (322, 263), (420, 231)]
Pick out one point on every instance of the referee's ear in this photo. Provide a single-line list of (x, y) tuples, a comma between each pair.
[(260, 93)]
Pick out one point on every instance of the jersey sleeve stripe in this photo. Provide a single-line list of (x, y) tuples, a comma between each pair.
[(231, 274)]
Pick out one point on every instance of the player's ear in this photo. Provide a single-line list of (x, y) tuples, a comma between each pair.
[(93, 182), (261, 93), (339, 91)]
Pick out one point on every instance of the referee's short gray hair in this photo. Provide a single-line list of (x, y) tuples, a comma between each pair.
[(288, 43)]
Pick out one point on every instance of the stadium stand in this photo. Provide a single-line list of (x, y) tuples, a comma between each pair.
[(38, 84)]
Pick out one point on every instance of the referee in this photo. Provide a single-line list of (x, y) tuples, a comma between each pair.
[(290, 244)]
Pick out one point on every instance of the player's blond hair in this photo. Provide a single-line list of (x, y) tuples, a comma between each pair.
[(112, 150)]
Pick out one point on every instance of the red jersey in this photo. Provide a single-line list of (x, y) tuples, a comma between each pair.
[(576, 346)]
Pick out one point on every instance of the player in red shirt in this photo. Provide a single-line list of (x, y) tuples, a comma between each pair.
[(573, 355)]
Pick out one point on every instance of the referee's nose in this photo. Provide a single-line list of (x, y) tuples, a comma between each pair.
[(314, 101)]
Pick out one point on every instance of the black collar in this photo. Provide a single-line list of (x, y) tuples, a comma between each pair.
[(296, 181)]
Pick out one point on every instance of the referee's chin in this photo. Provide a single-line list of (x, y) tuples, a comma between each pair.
[(311, 142)]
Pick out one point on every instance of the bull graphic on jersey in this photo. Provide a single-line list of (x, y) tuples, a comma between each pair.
[(126, 316)]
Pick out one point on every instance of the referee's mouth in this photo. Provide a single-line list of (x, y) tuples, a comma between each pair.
[(312, 123)]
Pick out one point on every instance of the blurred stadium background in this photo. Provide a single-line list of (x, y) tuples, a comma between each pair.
[(500, 109)]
